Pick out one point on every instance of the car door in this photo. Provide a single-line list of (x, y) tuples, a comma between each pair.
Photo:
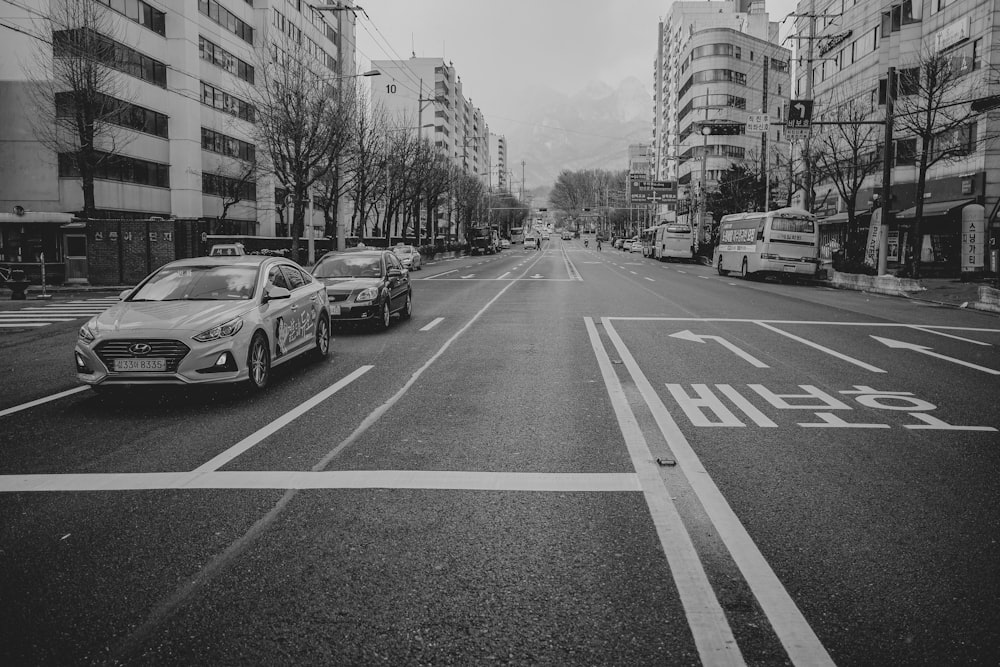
[(304, 308), (276, 315), (398, 285)]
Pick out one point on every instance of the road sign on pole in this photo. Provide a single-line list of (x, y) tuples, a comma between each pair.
[(758, 122), (800, 114)]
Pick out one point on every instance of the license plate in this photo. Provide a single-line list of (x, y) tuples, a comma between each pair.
[(334, 309), (788, 269), (130, 365)]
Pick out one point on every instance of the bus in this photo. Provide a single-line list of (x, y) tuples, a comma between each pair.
[(516, 235), (783, 242), (674, 240), (647, 237)]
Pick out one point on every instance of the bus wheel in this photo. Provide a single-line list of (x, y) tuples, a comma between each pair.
[(722, 271), (744, 273)]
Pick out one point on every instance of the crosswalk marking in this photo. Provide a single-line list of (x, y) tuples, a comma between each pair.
[(40, 316)]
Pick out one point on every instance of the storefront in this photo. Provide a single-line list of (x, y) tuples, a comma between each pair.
[(941, 247), (33, 240)]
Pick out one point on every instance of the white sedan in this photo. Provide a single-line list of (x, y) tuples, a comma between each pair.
[(206, 320), (409, 256)]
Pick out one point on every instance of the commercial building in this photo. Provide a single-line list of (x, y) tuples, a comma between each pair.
[(186, 70), (855, 44), (717, 63)]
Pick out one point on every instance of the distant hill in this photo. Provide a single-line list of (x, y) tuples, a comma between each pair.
[(589, 130)]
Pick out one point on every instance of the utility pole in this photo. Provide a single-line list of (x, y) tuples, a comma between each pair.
[(807, 162), (883, 240), (763, 143)]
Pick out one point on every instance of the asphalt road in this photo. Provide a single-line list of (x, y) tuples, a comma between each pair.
[(564, 457)]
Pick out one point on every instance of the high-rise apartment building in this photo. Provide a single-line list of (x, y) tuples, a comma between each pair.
[(717, 62), (186, 70), (499, 176)]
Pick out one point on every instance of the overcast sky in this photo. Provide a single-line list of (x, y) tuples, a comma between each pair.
[(502, 48)]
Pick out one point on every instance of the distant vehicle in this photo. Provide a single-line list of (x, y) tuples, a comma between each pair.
[(409, 256), (784, 242), (530, 243), (517, 234), (545, 236), (504, 244), (229, 319), (673, 241), (567, 236), (482, 241), (365, 286), (634, 245), (648, 238), (227, 250)]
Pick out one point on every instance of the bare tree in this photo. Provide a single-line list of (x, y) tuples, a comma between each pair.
[(848, 153), (78, 91), (299, 121), (236, 185), (366, 163), (933, 106)]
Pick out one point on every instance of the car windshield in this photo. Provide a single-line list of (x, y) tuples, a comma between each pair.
[(199, 283), (402, 251), (347, 266)]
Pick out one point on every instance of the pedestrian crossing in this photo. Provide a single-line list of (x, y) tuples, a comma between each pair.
[(31, 317)]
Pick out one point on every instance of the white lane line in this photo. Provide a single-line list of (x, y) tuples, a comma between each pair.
[(41, 401), (800, 642), (633, 272), (503, 275), (817, 346), (650, 280), (436, 275), (433, 323), (14, 317), (282, 421), (941, 333), (712, 635), (25, 325), (329, 479)]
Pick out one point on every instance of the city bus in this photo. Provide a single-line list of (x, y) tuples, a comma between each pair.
[(783, 242), (674, 240), (516, 235)]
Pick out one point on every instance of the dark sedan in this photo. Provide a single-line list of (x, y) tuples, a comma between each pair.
[(365, 286)]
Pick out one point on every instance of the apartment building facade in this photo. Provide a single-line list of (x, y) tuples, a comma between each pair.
[(499, 176), (855, 44), (187, 70), (717, 63)]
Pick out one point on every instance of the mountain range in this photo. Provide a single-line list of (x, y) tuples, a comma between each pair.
[(591, 129)]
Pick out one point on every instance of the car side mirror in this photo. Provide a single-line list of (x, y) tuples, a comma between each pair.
[(274, 292), (125, 293), (395, 273)]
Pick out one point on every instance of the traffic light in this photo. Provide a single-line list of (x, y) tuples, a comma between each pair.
[(723, 128)]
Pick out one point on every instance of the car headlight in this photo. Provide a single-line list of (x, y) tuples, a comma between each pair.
[(368, 294), (226, 330), (87, 333)]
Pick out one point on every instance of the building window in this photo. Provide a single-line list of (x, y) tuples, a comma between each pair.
[(909, 81), (78, 41), (141, 13), (226, 145), (226, 19), (231, 188), (218, 56), (120, 168), (906, 151), (119, 113), (223, 101)]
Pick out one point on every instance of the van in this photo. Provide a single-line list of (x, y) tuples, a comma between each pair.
[(530, 243)]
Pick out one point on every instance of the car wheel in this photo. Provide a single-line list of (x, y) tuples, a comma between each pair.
[(407, 307), (744, 271), (722, 271), (384, 315), (258, 362), (322, 336)]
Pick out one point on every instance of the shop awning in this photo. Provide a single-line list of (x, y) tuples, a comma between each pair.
[(935, 209), (840, 218)]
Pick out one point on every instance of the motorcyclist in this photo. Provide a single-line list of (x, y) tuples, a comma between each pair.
[(586, 243), (598, 244)]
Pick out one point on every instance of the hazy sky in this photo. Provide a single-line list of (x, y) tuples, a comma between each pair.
[(503, 49)]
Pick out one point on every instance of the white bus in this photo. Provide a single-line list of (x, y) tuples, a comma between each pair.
[(674, 240), (785, 242)]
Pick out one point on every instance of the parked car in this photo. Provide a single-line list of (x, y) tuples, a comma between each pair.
[(365, 286), (504, 244), (206, 320), (530, 243), (409, 256), (227, 250), (635, 245)]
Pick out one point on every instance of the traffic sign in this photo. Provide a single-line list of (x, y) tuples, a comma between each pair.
[(800, 114), (758, 122)]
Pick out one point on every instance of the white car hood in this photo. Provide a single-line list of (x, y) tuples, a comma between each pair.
[(195, 316)]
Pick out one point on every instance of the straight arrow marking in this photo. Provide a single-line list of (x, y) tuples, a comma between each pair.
[(901, 345), (699, 338)]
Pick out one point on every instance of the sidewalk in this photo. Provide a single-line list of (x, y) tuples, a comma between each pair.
[(943, 291)]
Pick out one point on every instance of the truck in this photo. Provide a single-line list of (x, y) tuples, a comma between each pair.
[(483, 240)]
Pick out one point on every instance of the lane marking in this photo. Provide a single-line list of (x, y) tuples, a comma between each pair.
[(732, 347), (433, 323), (650, 280), (447, 480), (941, 333), (279, 423), (42, 401), (29, 323), (503, 275), (711, 632), (444, 273), (923, 349), (817, 346), (800, 642)]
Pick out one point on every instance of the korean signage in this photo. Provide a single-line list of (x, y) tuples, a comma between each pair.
[(973, 244), (652, 192), (758, 122)]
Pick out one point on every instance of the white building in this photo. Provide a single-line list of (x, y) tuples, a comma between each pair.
[(190, 66)]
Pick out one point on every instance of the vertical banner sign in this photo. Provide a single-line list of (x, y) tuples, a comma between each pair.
[(874, 232), (973, 244)]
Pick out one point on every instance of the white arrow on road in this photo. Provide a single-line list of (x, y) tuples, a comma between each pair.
[(900, 345), (699, 338)]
